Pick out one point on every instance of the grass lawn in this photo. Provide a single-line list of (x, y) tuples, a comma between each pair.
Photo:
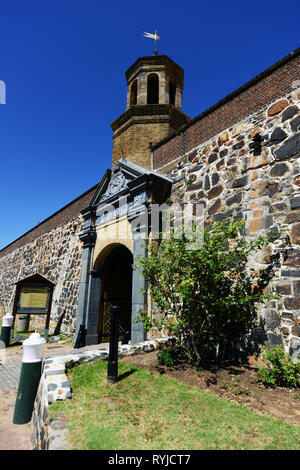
[(149, 411)]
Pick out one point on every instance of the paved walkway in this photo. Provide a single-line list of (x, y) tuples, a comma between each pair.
[(9, 374), (12, 436), (16, 436)]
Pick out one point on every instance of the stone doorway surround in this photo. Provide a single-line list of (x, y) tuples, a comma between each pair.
[(118, 214)]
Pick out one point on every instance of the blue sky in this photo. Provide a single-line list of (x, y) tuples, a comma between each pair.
[(63, 63)]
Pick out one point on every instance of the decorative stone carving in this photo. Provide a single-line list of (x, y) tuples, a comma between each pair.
[(117, 183)]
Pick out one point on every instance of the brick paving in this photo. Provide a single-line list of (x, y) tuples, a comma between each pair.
[(9, 374)]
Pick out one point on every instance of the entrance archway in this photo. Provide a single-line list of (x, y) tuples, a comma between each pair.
[(116, 289)]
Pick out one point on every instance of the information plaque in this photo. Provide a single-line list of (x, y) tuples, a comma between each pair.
[(33, 299)]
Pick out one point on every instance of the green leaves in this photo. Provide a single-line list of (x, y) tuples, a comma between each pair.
[(165, 356), (280, 370), (206, 294)]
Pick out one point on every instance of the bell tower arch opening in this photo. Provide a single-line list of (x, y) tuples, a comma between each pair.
[(151, 80), (152, 88), (172, 92), (116, 289), (133, 94)]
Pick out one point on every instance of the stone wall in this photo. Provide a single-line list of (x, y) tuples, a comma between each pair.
[(240, 158), (251, 170), (52, 249), (257, 94), (60, 217), (57, 256)]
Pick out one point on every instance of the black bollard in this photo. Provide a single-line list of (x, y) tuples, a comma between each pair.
[(6, 329), (29, 378), (112, 369)]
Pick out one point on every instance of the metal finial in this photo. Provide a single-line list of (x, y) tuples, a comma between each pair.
[(155, 37)]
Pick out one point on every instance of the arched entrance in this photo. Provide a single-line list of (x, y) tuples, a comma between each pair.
[(114, 238), (116, 289)]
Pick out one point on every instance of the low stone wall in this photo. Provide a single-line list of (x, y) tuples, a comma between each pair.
[(50, 433)]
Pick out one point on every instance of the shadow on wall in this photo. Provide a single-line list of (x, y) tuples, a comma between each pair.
[(236, 351)]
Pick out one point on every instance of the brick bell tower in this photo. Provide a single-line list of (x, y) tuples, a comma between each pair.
[(153, 111)]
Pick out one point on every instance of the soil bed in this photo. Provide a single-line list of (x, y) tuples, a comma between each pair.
[(237, 383)]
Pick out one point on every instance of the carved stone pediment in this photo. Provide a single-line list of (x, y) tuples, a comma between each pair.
[(127, 180), (118, 183)]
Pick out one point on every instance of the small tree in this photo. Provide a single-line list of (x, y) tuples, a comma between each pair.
[(206, 297)]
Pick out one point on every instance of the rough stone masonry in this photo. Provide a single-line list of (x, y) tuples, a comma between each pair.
[(250, 170), (240, 158)]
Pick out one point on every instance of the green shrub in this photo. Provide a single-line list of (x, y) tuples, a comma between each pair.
[(280, 370), (202, 291), (165, 357)]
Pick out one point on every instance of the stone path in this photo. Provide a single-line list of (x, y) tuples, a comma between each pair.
[(16, 436), (12, 436), (9, 374)]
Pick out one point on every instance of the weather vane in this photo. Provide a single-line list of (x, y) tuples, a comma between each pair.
[(153, 36)]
